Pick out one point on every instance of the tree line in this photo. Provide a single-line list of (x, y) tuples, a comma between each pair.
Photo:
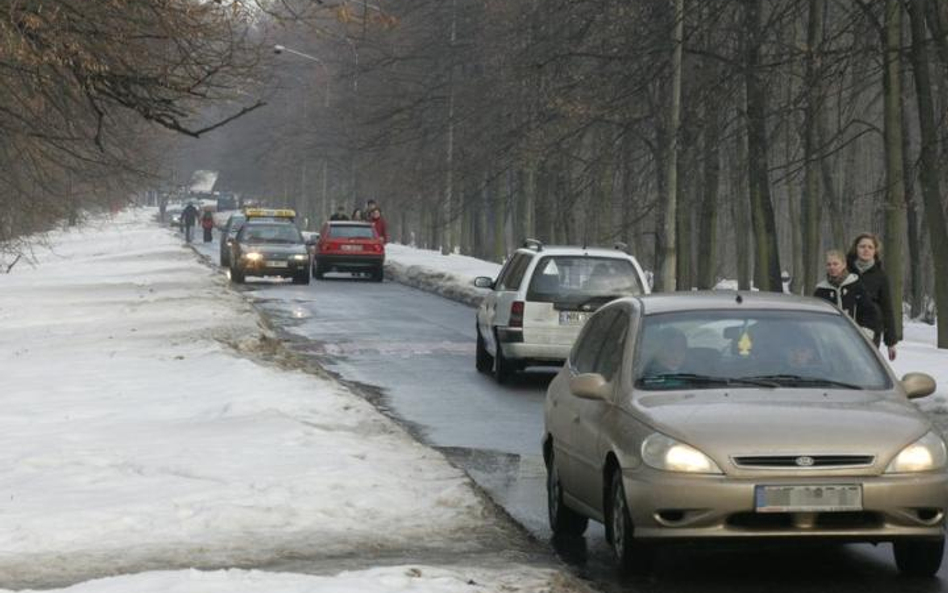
[(719, 139)]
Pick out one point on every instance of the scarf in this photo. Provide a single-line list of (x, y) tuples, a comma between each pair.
[(862, 266)]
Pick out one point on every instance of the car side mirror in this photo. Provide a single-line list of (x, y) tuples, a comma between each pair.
[(484, 282), (589, 386), (918, 385)]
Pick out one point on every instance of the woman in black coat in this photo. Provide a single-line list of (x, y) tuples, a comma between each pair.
[(864, 261), (844, 289)]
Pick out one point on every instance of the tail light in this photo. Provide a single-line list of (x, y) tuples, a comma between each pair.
[(516, 314), (377, 247)]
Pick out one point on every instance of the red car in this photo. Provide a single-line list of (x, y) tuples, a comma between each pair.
[(349, 246)]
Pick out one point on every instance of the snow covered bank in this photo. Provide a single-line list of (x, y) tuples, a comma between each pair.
[(450, 276), (135, 436), (417, 579)]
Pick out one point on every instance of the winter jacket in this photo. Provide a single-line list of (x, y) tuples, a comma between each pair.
[(189, 215), (379, 224), (851, 296), (876, 283), (207, 220)]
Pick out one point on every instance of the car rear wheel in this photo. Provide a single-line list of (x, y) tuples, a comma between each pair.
[(633, 556), (318, 271), (378, 274), (918, 557), (503, 368), (563, 520), (484, 362)]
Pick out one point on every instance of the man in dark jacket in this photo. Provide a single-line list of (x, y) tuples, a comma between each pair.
[(847, 292), (188, 218), (339, 214)]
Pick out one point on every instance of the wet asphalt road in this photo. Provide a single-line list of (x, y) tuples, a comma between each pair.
[(415, 352)]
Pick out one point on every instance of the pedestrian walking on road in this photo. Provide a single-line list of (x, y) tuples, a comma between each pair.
[(207, 223), (188, 218), (865, 260), (844, 289), (339, 214), (370, 206), (379, 223)]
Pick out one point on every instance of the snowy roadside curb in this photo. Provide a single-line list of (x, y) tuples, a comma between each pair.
[(141, 433), (449, 276), (445, 284)]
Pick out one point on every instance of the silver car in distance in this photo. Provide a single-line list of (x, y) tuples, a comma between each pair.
[(733, 416)]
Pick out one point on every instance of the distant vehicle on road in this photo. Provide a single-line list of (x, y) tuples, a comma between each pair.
[(228, 233), (349, 246), (269, 244), (541, 299), (741, 417)]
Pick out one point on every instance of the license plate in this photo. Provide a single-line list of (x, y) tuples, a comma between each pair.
[(831, 498), (276, 264), (346, 247), (573, 317)]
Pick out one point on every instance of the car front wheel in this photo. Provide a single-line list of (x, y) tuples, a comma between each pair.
[(632, 555), (563, 520), (918, 557)]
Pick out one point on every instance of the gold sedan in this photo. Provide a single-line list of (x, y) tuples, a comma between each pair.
[(741, 415)]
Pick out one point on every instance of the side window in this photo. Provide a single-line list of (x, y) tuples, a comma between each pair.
[(590, 343), (513, 276), (505, 271), (610, 355)]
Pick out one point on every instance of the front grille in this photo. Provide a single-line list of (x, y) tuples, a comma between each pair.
[(803, 461)]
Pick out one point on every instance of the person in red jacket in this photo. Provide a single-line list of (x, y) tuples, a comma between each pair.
[(379, 223), (207, 223)]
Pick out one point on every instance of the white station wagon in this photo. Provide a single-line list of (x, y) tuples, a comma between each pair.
[(541, 299)]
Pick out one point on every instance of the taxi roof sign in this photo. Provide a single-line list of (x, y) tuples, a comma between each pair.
[(287, 213)]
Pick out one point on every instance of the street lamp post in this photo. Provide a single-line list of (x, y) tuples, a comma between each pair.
[(326, 206)]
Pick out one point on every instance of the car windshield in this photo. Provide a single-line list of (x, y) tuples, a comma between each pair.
[(713, 349), (579, 279), (351, 231), (270, 233)]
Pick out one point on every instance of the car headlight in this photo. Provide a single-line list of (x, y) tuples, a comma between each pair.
[(253, 256), (300, 257), (926, 454), (665, 453)]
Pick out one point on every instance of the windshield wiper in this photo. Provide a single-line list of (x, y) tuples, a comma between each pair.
[(707, 380), (790, 379)]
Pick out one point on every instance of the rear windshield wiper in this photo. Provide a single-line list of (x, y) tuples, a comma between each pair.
[(705, 380), (798, 380)]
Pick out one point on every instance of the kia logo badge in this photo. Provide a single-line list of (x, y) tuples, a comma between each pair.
[(805, 461)]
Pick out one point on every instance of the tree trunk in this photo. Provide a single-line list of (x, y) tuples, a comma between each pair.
[(669, 271), (895, 187), (451, 218), (811, 194), (928, 163), (708, 222), (767, 271), (739, 203)]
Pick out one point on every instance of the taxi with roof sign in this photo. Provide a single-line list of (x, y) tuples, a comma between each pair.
[(269, 244)]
